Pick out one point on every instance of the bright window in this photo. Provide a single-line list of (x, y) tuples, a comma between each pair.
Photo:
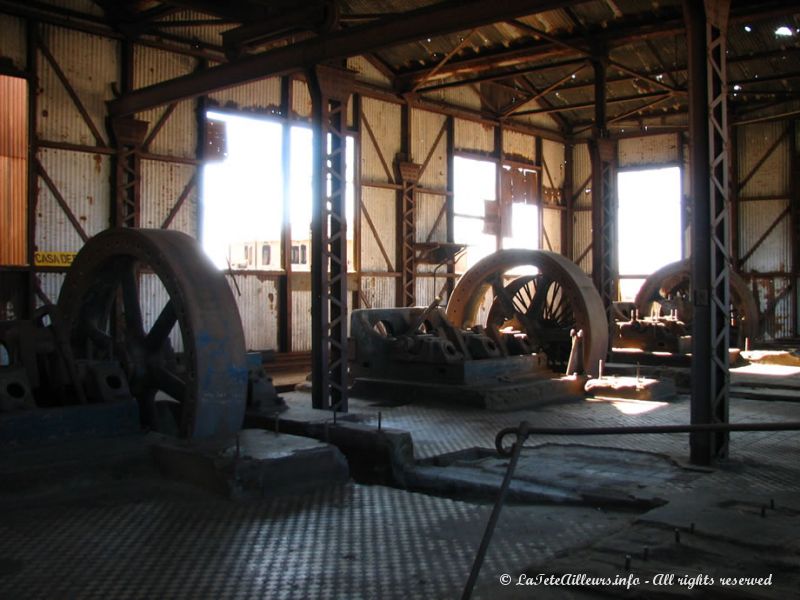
[(649, 220), (475, 188), (301, 190), (243, 194)]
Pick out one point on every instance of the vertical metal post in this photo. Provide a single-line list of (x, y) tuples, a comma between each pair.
[(330, 89), (604, 206), (409, 176), (285, 288), (794, 214), (708, 129), (128, 135), (450, 201), (568, 214)]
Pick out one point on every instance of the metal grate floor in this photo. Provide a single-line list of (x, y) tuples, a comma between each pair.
[(353, 542), (348, 542)]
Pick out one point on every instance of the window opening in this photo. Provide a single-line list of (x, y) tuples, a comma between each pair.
[(649, 217)]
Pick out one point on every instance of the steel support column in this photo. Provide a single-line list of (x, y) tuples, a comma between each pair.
[(603, 153), (409, 176), (708, 131), (128, 134), (330, 89)]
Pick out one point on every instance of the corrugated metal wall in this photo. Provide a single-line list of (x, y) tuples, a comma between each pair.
[(464, 97), (263, 95), (82, 180), (519, 145), (178, 135), (366, 72), (652, 150), (553, 164), (13, 170), (765, 238), (163, 184), (89, 71), (551, 222), (582, 218), (471, 135)]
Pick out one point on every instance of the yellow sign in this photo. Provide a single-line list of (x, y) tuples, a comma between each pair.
[(53, 259)]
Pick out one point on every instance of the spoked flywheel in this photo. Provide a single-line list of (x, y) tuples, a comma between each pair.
[(539, 306), (185, 361), (667, 291), (546, 306)]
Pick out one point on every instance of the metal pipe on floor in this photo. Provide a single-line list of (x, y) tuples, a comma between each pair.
[(525, 429), (498, 506)]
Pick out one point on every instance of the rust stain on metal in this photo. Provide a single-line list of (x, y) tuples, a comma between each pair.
[(98, 162)]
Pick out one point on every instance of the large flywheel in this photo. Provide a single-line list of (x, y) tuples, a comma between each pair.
[(667, 291), (546, 306), (185, 362)]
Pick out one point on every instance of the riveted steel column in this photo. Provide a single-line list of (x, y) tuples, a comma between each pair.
[(708, 131), (603, 152), (330, 89), (409, 176), (128, 135)]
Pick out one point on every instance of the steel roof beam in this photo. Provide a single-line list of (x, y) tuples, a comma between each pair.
[(440, 19)]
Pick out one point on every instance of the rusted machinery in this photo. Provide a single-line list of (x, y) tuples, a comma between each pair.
[(185, 364), (661, 316), (509, 358)]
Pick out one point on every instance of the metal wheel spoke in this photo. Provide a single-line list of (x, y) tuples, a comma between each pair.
[(130, 301), (540, 297), (159, 332), (169, 382)]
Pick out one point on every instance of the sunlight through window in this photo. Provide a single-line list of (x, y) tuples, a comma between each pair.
[(649, 224)]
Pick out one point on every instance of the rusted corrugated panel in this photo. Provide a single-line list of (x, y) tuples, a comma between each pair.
[(471, 135), (89, 63), (775, 252), (581, 174), (384, 122), (772, 178), (582, 239), (257, 299), (381, 205), (82, 179), (50, 285), (301, 320), (12, 42), (648, 150), (162, 185), (379, 292), (262, 95), (425, 128), (13, 170), (552, 229), (553, 157), (366, 72), (178, 135), (519, 145), (301, 99)]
